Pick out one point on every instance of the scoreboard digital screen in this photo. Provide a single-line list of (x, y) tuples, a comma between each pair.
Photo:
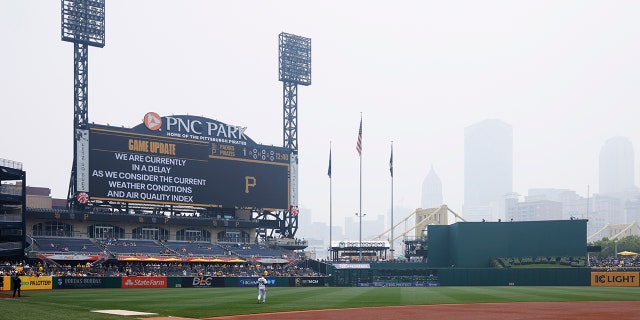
[(187, 160)]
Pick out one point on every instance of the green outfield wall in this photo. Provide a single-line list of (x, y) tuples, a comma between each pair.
[(419, 274), (474, 244), (515, 277)]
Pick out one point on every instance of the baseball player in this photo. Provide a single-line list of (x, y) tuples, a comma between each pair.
[(262, 289)]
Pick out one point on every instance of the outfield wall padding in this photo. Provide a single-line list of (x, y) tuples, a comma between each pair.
[(172, 282), (515, 277)]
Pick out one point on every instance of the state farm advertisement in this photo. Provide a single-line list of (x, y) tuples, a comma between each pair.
[(144, 282)]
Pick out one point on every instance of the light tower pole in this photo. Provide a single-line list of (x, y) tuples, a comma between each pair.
[(83, 25), (294, 69)]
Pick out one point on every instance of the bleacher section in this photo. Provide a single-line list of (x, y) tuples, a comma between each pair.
[(78, 249), (64, 245), (197, 249), (255, 250), (136, 247)]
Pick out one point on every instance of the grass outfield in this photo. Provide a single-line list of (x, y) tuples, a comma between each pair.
[(211, 302)]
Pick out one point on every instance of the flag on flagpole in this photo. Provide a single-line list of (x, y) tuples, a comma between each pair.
[(329, 171), (391, 162), (359, 144)]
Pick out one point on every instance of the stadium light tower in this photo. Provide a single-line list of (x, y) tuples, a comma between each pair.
[(294, 69), (83, 25)]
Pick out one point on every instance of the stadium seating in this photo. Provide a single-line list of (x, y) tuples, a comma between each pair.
[(63, 244), (254, 250), (196, 248), (135, 247)]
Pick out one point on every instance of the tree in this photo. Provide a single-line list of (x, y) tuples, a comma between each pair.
[(628, 243)]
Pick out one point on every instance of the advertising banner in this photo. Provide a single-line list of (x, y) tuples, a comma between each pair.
[(144, 282), (401, 284), (36, 283), (253, 281), (202, 282), (615, 279), (78, 282), (69, 256), (352, 266), (307, 282), (293, 180), (82, 158)]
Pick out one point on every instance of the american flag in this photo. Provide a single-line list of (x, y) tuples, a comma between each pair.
[(359, 144)]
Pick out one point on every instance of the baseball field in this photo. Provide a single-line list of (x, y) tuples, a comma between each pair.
[(200, 303)]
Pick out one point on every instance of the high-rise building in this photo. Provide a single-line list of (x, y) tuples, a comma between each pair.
[(573, 205), (534, 210), (607, 210), (488, 168), (617, 168), (431, 191)]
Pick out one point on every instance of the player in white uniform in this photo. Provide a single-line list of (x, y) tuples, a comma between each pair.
[(262, 290)]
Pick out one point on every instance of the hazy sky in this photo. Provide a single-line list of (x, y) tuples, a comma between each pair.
[(564, 74)]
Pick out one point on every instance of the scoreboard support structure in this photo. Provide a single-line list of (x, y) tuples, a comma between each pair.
[(82, 23), (294, 61)]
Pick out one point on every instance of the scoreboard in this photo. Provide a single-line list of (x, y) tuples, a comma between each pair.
[(186, 160)]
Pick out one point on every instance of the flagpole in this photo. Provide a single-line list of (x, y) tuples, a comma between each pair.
[(360, 215), (330, 207), (391, 169), (359, 148)]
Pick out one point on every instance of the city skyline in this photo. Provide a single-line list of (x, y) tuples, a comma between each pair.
[(562, 74)]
